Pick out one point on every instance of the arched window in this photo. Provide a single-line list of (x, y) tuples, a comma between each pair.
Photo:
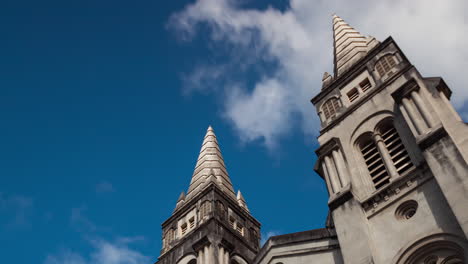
[(253, 235), (330, 108), (220, 208), (385, 64), (437, 252), (205, 209), (384, 154), (395, 147), (374, 161), (168, 237)]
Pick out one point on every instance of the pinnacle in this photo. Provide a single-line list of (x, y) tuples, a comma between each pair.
[(349, 45), (210, 168)]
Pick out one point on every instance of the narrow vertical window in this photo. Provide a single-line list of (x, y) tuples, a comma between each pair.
[(205, 209), (231, 222), (253, 235), (396, 149), (240, 229), (192, 222), (221, 209), (183, 228), (374, 162)]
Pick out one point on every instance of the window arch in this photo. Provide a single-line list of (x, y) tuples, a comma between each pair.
[(385, 64), (384, 154), (205, 209), (253, 235), (435, 249), (220, 208), (168, 237), (400, 157), (330, 108), (374, 161)]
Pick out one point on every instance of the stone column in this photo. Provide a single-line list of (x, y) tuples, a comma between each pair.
[(406, 117), (226, 257), (207, 255), (413, 116), (221, 255), (327, 178), (332, 174), (422, 109), (200, 258), (387, 159), (340, 167), (450, 106)]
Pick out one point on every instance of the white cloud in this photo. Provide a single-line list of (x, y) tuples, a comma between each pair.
[(103, 252), (299, 41), (80, 221), (105, 187), (18, 208)]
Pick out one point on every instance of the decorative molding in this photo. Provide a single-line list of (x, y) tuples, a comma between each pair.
[(395, 190), (340, 198), (405, 90), (427, 140), (201, 243), (328, 147), (372, 92)]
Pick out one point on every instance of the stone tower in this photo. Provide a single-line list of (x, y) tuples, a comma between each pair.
[(210, 224), (393, 152)]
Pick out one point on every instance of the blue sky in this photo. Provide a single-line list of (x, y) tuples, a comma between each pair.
[(104, 105)]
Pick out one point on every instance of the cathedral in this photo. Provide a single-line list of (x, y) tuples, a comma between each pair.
[(393, 154)]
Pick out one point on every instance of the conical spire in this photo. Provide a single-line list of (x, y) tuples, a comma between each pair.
[(349, 45), (210, 168)]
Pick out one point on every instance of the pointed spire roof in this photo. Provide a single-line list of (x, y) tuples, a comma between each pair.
[(210, 167), (349, 45), (241, 200)]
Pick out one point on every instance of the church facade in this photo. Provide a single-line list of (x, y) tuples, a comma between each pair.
[(393, 154)]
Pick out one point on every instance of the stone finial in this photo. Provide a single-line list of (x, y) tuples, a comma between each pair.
[(241, 200), (326, 79), (180, 201)]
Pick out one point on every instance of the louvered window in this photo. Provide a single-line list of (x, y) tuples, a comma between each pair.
[(183, 228), (253, 235), (365, 85), (385, 64), (396, 149), (330, 108), (169, 237), (240, 229), (374, 163), (353, 94), (192, 222), (205, 209), (221, 209), (231, 222)]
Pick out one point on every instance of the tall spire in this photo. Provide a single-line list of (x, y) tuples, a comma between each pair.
[(210, 168), (349, 45)]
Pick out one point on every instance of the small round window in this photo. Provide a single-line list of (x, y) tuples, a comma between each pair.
[(406, 210)]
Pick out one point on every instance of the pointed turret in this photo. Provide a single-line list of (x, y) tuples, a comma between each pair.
[(180, 201), (241, 200), (349, 45), (210, 168)]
